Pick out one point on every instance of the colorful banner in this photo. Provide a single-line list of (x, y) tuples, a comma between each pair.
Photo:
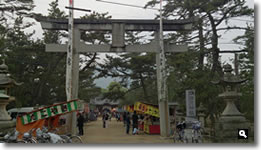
[(130, 108), (50, 111), (146, 109)]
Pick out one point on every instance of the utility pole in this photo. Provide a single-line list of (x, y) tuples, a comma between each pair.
[(161, 81), (72, 64), (71, 70)]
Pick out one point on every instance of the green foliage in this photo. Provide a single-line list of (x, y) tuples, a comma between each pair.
[(96, 37), (29, 63), (137, 73), (42, 73), (114, 91), (11, 8), (54, 11), (246, 60)]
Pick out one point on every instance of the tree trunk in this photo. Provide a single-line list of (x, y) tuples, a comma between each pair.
[(215, 50), (51, 66), (201, 46), (143, 86)]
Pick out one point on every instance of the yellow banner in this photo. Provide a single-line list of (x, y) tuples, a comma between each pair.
[(146, 109), (128, 108)]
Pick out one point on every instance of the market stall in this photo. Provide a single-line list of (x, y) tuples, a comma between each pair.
[(149, 120)]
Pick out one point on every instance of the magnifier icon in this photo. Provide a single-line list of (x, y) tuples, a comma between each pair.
[(242, 133)]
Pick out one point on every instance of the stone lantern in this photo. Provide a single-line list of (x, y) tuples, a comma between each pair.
[(5, 85), (231, 119)]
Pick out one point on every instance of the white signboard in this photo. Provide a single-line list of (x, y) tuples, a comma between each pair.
[(190, 103)]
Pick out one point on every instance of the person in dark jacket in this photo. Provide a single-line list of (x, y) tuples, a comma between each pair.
[(80, 121), (105, 117), (128, 122), (134, 121)]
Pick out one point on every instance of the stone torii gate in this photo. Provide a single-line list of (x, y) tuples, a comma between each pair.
[(118, 28)]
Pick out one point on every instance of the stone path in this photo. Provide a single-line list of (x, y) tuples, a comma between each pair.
[(94, 133)]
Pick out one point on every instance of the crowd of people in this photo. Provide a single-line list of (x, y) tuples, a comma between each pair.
[(127, 119), (130, 121)]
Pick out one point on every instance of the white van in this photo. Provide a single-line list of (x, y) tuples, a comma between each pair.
[(19, 111)]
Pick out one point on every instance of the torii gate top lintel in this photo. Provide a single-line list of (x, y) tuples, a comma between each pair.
[(106, 24), (118, 27)]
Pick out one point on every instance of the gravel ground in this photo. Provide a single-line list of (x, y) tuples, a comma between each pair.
[(115, 133)]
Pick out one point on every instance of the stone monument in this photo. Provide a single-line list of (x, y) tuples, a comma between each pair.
[(5, 85), (226, 128), (190, 114)]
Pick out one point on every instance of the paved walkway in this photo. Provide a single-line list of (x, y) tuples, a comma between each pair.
[(94, 133)]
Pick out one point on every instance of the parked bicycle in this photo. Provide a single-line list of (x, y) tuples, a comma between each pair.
[(43, 136), (179, 133), (196, 132), (11, 137), (28, 137), (72, 138), (69, 138)]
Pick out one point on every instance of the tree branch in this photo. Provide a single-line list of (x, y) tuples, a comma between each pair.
[(235, 28), (90, 62), (233, 51), (225, 14)]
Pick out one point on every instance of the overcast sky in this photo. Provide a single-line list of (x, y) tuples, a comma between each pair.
[(115, 10)]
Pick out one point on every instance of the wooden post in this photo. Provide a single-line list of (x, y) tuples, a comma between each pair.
[(72, 71)]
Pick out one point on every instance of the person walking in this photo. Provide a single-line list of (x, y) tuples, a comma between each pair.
[(105, 117), (118, 116), (109, 116), (80, 121), (134, 121), (128, 122)]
